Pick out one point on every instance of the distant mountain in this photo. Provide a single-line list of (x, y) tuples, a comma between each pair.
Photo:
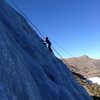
[(85, 65)]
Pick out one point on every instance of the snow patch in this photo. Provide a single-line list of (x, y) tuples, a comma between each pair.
[(94, 80)]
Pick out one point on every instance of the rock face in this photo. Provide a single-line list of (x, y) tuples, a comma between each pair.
[(85, 65), (28, 71)]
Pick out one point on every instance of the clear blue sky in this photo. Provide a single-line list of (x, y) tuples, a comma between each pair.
[(73, 24)]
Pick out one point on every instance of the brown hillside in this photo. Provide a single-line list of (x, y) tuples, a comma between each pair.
[(85, 65)]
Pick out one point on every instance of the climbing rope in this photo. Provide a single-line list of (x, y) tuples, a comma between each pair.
[(67, 52), (62, 58)]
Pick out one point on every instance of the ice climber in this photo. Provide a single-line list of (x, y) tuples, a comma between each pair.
[(49, 44)]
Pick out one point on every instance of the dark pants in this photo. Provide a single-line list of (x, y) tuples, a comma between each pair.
[(49, 47)]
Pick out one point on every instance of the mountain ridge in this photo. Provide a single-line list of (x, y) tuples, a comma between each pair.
[(85, 65)]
